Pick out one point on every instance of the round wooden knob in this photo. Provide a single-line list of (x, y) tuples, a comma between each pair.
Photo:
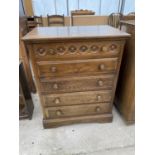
[(76, 70), (53, 69), (98, 109), (57, 101), (58, 112), (99, 97), (102, 67), (55, 86), (100, 83)]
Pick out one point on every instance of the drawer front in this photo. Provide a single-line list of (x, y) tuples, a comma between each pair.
[(77, 84), (77, 98), (77, 110), (83, 67), (76, 50)]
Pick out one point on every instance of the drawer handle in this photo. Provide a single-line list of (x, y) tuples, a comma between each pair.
[(98, 109), (53, 69), (55, 86), (58, 112), (102, 67), (99, 97), (57, 101), (100, 83)]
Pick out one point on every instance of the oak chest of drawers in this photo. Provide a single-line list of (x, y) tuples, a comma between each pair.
[(76, 71)]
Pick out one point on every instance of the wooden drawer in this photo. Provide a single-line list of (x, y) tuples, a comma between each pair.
[(77, 98), (75, 84), (78, 110), (77, 50), (83, 67)]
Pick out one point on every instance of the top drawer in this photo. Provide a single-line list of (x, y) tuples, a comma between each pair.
[(75, 50)]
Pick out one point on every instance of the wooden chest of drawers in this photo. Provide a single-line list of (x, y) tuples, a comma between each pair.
[(76, 70)]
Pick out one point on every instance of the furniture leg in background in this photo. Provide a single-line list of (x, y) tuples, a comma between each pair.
[(25, 100)]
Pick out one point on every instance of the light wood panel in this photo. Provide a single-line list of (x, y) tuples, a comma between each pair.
[(28, 7), (90, 20)]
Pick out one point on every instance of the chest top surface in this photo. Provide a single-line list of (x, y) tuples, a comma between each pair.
[(71, 32)]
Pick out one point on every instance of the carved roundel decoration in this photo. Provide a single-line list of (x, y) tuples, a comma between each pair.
[(52, 51), (113, 47), (61, 50), (72, 49), (104, 49), (83, 48), (41, 51), (94, 48)]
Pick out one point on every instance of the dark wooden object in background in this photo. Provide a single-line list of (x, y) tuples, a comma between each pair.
[(55, 20), (23, 55), (38, 20), (114, 19), (34, 21), (31, 24), (25, 101), (130, 16), (125, 92), (76, 71)]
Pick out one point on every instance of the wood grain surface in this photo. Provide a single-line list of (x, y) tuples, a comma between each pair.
[(76, 70)]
